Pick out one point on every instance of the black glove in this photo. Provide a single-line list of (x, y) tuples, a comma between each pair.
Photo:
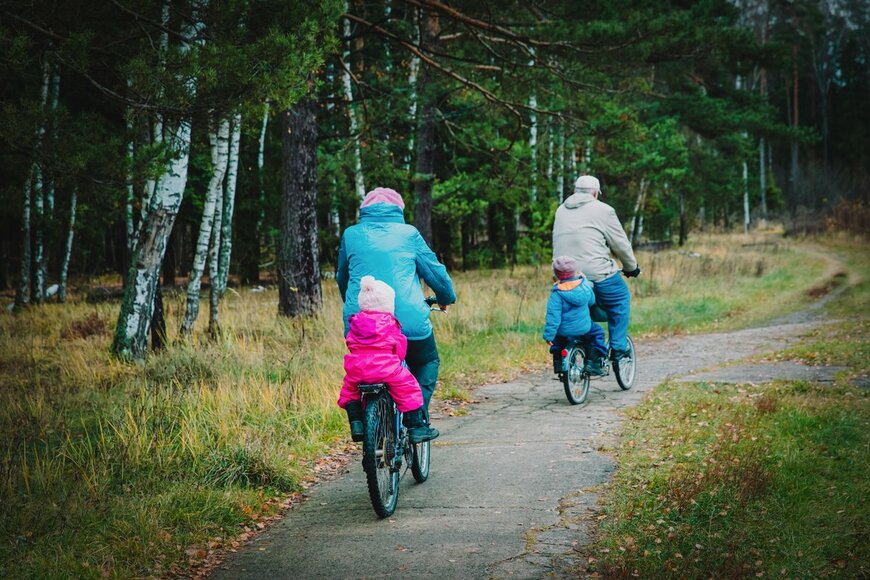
[(632, 274)]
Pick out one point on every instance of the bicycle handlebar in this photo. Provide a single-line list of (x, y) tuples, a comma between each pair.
[(432, 303)]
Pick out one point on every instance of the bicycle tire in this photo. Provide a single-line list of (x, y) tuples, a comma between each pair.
[(379, 447), (625, 369), (576, 381), (420, 461)]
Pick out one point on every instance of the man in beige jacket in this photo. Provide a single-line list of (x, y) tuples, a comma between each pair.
[(589, 231)]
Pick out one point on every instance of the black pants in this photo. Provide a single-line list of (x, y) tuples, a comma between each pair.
[(423, 362)]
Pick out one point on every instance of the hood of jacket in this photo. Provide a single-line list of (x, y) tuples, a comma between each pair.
[(578, 199), (382, 212), (368, 326), (575, 291)]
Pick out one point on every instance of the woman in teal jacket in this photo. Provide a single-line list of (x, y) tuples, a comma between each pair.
[(384, 246)]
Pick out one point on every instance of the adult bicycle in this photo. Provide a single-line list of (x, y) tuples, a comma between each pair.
[(386, 447), (387, 444)]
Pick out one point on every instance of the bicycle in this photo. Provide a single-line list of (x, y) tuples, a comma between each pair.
[(386, 444), (576, 380)]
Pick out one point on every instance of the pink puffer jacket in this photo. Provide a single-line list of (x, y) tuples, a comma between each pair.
[(377, 351)]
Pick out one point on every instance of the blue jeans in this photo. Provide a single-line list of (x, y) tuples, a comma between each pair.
[(592, 341), (613, 296), (423, 362)]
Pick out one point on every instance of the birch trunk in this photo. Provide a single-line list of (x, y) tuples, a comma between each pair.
[(533, 144), (425, 172), (38, 193), (745, 197), (219, 141), (157, 128), (299, 291), (67, 254), (358, 179), (131, 191), (550, 147), (22, 295), (261, 164), (214, 253), (219, 284), (560, 165), (637, 219), (762, 176), (138, 306), (413, 70)]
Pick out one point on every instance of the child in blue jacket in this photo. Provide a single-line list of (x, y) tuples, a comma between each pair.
[(568, 316)]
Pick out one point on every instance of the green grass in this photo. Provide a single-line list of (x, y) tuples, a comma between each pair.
[(131, 470), (751, 480), (733, 481)]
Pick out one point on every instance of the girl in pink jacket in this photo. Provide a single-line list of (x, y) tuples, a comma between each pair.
[(377, 353)]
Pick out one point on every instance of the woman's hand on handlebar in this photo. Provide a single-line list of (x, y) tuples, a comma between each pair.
[(432, 301)]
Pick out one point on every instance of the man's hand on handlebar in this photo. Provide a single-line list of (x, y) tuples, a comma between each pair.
[(632, 274)]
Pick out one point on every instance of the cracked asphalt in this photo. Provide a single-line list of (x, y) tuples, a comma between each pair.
[(510, 484)]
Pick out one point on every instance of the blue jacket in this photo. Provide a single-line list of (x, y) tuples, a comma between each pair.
[(384, 246), (568, 309)]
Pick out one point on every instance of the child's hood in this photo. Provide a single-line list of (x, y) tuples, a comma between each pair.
[(574, 291), (370, 326)]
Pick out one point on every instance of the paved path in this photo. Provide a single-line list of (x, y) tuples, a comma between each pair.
[(510, 482)]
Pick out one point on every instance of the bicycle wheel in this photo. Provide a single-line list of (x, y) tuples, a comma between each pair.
[(576, 381), (379, 449), (624, 368), (420, 462)]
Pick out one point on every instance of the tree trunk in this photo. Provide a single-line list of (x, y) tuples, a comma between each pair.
[(22, 295), (684, 220), (225, 248), (762, 176), (425, 172), (219, 140), (67, 254), (358, 179), (413, 71), (533, 145), (637, 220), (560, 166), (745, 197), (299, 290), (214, 275)]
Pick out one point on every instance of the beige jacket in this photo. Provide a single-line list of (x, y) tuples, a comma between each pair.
[(588, 230)]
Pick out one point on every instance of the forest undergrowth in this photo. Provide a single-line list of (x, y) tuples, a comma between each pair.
[(110, 468)]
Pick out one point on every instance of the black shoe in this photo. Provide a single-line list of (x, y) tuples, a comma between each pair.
[(593, 367), (619, 354), (354, 417), (422, 433), (357, 432)]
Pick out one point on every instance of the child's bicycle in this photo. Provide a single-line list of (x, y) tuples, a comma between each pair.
[(386, 444), (576, 379)]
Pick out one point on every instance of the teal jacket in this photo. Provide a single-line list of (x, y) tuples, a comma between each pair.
[(384, 246), (568, 309)]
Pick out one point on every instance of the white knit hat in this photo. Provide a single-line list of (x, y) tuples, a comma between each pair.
[(376, 296), (587, 184)]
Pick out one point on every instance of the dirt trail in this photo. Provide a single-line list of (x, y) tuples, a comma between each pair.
[(510, 482)]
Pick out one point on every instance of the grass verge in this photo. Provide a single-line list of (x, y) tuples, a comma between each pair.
[(719, 480), (125, 470)]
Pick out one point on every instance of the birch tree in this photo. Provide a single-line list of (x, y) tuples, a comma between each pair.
[(221, 262), (67, 254), (358, 177), (134, 319), (219, 141)]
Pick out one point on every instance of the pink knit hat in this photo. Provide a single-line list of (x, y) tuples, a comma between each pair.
[(564, 267), (383, 195), (376, 296)]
